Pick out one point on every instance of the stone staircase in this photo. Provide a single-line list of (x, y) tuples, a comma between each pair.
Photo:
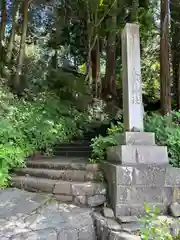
[(68, 176)]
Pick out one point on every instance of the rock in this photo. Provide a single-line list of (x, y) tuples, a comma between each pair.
[(174, 209), (88, 188), (123, 236), (113, 225), (25, 215), (15, 202), (68, 234), (80, 200), (105, 224), (64, 198), (107, 212), (133, 227), (39, 234), (127, 219), (96, 200), (85, 233), (109, 229), (175, 228)]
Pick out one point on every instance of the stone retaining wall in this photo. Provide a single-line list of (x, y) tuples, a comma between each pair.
[(130, 186)]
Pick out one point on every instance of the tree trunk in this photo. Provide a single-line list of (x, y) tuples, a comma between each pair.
[(95, 59), (2, 29), (13, 31), (178, 88), (175, 48), (176, 79), (134, 11), (22, 47), (3, 21), (110, 78), (89, 37), (164, 60)]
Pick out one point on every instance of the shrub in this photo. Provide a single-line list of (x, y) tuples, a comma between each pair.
[(166, 129), (26, 127), (167, 132), (100, 144)]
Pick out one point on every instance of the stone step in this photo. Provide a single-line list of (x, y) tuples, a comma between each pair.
[(63, 163), (33, 184), (73, 153), (68, 175), (85, 143), (79, 190), (75, 148)]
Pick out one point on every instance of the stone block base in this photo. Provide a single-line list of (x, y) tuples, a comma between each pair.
[(137, 154), (129, 187)]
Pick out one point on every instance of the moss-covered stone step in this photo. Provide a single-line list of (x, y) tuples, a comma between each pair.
[(78, 192), (64, 174), (72, 153), (61, 163)]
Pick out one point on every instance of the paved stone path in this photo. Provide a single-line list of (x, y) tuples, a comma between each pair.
[(36, 216)]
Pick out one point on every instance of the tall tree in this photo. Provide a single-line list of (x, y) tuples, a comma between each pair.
[(2, 29), (93, 50), (175, 47), (110, 79), (3, 21), (95, 60), (13, 30), (17, 84), (134, 10), (164, 60), (88, 50)]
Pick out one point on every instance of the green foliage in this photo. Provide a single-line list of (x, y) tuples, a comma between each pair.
[(166, 129), (167, 133), (153, 227), (151, 69), (150, 49), (177, 237), (100, 144), (26, 127)]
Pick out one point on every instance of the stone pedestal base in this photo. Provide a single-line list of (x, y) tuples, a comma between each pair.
[(136, 154), (137, 171), (137, 148), (129, 187)]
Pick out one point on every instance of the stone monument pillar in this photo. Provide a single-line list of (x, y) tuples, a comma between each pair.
[(135, 169), (136, 146), (132, 84)]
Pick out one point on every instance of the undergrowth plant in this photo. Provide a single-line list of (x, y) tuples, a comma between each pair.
[(100, 144), (167, 132), (154, 227), (29, 126)]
